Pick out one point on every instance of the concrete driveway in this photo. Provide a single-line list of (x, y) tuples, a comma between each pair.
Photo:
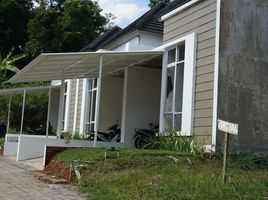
[(17, 183)]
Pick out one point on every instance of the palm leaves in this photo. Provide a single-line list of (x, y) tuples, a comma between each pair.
[(7, 63)]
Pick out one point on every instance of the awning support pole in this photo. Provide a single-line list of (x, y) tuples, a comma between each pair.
[(8, 114), (61, 106), (97, 110), (163, 93), (48, 110), (22, 113)]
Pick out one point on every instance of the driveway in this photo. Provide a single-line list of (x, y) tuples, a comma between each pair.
[(17, 183)]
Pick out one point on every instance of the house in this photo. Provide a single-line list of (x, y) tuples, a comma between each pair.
[(183, 65)]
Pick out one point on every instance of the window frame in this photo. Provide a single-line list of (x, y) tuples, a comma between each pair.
[(187, 116), (92, 86)]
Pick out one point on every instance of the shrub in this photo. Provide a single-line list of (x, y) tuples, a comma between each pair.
[(173, 140)]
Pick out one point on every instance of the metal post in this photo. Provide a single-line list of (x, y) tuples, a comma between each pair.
[(48, 110), (8, 114), (61, 105), (23, 108), (225, 157), (163, 92), (97, 110)]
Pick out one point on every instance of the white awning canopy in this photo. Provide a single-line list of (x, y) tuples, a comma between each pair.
[(29, 90), (53, 66)]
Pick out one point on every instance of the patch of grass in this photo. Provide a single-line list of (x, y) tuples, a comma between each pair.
[(152, 175), (2, 141), (95, 154)]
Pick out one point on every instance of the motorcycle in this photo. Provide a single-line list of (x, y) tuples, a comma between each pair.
[(143, 136), (38, 131), (113, 134)]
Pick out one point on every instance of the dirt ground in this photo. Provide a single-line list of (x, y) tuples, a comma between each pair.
[(1, 151), (59, 169)]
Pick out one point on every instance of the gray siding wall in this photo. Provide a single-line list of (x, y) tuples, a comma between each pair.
[(200, 18), (79, 105), (72, 105)]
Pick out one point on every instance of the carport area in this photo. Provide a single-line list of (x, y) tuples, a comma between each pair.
[(127, 90)]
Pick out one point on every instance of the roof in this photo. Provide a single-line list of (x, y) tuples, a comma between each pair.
[(150, 22), (97, 43), (147, 22), (55, 66), (171, 6)]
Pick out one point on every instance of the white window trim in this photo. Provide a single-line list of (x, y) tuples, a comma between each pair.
[(216, 76), (179, 9), (188, 83), (87, 121)]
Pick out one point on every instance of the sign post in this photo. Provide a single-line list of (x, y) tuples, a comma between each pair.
[(227, 128)]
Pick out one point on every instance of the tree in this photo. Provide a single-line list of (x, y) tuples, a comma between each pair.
[(7, 63), (45, 34), (81, 23), (64, 26), (15, 15)]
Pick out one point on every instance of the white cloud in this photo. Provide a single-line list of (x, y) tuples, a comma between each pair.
[(125, 11)]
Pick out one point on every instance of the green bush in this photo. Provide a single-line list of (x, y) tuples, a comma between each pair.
[(173, 140)]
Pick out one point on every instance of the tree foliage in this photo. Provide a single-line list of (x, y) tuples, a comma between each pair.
[(7, 64), (36, 26), (15, 15), (64, 26)]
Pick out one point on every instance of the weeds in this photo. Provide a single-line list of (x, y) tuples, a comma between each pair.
[(173, 140)]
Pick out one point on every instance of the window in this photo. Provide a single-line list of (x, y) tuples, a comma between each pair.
[(91, 105), (65, 111), (174, 90), (177, 98)]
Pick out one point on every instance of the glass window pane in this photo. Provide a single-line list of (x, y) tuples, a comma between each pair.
[(179, 87), (65, 87), (171, 55), (177, 121), (64, 106), (93, 106), (170, 87), (90, 84), (95, 83), (181, 52), (89, 106), (168, 121)]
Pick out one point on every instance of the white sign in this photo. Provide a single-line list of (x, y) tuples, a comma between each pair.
[(228, 127)]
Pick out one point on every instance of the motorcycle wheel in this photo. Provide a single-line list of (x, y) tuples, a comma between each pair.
[(139, 143)]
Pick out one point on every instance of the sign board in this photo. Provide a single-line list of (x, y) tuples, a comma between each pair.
[(228, 127)]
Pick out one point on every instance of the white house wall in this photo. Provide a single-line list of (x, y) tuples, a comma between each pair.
[(141, 41), (142, 100), (111, 101)]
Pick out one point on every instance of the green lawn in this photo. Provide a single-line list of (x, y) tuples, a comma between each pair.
[(2, 140), (152, 175)]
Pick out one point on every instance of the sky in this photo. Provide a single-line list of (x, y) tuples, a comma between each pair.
[(125, 11)]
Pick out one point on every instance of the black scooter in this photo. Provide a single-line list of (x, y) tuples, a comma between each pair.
[(113, 134), (142, 136), (38, 131)]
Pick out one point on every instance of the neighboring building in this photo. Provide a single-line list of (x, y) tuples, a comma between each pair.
[(145, 33), (212, 65)]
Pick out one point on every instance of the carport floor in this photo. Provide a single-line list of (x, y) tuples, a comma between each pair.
[(17, 183)]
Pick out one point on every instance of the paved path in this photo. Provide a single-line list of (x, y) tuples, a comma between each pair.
[(17, 183)]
